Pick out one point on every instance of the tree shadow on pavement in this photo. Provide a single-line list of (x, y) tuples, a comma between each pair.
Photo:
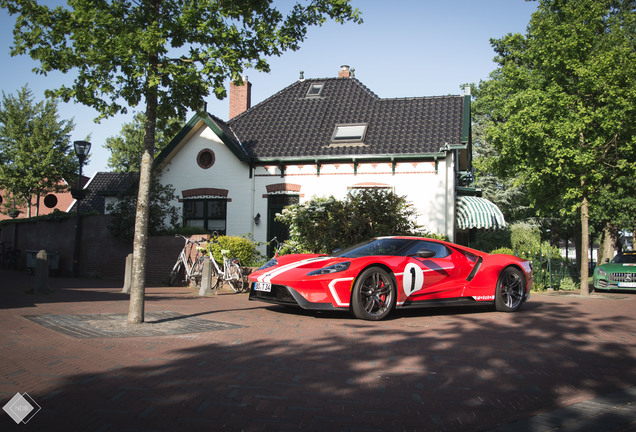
[(433, 370)]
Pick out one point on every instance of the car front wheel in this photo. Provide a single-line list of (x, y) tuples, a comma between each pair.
[(510, 290), (374, 294)]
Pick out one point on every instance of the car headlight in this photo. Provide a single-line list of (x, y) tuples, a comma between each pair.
[(268, 264), (334, 268), (601, 272)]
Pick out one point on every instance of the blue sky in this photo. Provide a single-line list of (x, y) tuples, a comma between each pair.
[(404, 48)]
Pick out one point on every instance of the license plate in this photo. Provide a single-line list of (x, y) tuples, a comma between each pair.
[(263, 286), (627, 284)]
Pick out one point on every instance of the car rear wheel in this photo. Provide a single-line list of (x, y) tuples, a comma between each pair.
[(374, 294), (510, 290)]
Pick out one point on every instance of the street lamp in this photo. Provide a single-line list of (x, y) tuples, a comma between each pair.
[(14, 212), (81, 150)]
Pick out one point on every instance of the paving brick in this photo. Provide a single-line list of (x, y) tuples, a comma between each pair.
[(562, 361)]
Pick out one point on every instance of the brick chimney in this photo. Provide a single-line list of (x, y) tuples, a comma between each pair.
[(240, 97), (344, 72)]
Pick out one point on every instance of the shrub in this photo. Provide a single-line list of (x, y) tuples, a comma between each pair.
[(503, 250), (240, 247), (525, 239), (431, 235), (163, 217), (487, 240), (322, 225), (567, 284)]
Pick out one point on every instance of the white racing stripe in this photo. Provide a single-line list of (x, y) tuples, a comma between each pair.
[(267, 277)]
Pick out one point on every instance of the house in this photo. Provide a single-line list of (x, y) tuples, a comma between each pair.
[(44, 205), (104, 188), (322, 137)]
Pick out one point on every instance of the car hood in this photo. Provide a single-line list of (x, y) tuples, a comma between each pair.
[(618, 267)]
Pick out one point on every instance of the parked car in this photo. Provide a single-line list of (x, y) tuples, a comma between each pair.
[(374, 277), (620, 273)]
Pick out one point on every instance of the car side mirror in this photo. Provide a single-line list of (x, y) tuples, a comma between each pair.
[(606, 260), (425, 253)]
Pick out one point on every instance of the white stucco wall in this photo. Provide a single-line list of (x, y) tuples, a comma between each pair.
[(227, 172), (430, 190), (425, 188)]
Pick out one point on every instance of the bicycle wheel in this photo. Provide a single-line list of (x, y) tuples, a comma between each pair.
[(236, 278), (215, 281), (175, 274), (197, 272)]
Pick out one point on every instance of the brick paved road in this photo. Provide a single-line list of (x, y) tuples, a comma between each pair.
[(282, 369)]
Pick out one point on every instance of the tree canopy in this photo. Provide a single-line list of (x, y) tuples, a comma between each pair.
[(563, 103), (35, 151), (168, 55), (127, 147)]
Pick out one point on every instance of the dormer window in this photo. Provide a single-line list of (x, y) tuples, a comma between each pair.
[(315, 89), (349, 133)]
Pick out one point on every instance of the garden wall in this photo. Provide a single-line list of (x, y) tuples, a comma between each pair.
[(101, 255)]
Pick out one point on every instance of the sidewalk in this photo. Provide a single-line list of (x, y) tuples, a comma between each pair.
[(563, 362)]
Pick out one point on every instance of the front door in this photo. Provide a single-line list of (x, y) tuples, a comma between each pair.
[(276, 204)]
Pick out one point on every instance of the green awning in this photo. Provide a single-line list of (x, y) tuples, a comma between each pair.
[(476, 212)]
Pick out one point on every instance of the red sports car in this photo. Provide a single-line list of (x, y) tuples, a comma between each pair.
[(373, 277)]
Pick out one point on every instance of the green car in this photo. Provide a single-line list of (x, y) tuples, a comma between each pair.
[(618, 274)]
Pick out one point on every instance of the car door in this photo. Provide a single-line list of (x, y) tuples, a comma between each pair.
[(432, 277)]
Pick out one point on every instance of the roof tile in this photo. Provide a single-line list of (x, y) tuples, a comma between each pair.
[(291, 125)]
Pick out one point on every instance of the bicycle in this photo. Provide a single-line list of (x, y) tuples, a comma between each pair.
[(231, 273), (280, 246), (193, 266)]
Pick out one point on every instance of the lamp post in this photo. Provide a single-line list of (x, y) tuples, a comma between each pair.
[(81, 150)]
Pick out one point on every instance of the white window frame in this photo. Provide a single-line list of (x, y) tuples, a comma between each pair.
[(311, 93), (352, 132)]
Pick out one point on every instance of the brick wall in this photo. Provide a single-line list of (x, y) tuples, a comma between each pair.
[(240, 97), (101, 255)]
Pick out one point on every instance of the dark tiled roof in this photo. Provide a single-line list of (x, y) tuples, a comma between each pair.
[(105, 184), (291, 125)]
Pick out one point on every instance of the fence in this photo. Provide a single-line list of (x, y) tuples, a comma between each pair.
[(550, 270)]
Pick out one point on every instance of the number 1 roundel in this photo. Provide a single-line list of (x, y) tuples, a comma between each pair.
[(412, 278)]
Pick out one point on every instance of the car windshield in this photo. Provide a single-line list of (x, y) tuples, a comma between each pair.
[(378, 246), (625, 259), (391, 246)]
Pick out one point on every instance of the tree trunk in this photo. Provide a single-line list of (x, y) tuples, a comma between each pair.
[(577, 245), (585, 240), (28, 206), (138, 282)]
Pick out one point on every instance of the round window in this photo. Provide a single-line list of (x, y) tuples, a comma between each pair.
[(205, 158), (50, 201)]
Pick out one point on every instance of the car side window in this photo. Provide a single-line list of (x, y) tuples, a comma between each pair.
[(440, 250)]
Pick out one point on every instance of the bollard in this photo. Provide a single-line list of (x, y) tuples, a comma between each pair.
[(128, 274), (206, 278), (41, 273)]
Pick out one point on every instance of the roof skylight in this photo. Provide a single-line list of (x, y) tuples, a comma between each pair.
[(315, 89), (349, 132)]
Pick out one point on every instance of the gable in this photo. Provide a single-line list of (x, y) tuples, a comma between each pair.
[(192, 127)]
